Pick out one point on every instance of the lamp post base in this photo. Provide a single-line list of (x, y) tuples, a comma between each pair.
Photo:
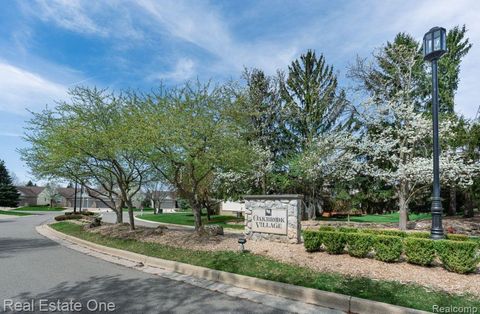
[(436, 233)]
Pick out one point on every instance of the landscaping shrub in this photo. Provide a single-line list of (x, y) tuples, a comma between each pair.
[(312, 240), (68, 217), (359, 244), (348, 229), (419, 234), (327, 228), (419, 251), (458, 256), (393, 233), (334, 241), (87, 213), (387, 248), (456, 237)]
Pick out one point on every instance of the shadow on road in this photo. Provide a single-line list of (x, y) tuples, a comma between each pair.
[(10, 246), (145, 296)]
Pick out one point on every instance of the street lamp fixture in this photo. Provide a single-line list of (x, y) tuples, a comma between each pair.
[(435, 46)]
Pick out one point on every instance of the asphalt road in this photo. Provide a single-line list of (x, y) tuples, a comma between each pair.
[(35, 268)]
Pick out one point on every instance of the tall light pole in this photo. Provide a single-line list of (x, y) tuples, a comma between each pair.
[(75, 199), (435, 46)]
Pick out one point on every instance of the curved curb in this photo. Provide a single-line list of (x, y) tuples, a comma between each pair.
[(326, 299), (226, 230)]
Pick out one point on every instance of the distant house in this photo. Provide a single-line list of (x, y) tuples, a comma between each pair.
[(31, 195), (232, 208), (162, 199), (94, 200), (65, 197)]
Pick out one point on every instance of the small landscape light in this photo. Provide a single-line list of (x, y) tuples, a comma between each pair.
[(242, 241)]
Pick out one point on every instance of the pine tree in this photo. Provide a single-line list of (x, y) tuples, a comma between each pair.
[(8, 193), (314, 104), (29, 183), (458, 46)]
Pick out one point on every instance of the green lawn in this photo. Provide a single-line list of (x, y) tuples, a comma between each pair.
[(408, 295), (7, 212), (40, 209), (187, 219), (386, 218), (139, 210)]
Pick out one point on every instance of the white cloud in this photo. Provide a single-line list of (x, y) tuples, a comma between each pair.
[(21, 90), (184, 69), (69, 14), (338, 30)]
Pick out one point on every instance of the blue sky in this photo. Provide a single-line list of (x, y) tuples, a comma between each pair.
[(46, 47)]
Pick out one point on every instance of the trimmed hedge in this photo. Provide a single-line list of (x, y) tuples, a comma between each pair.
[(386, 232), (458, 256), (68, 217), (419, 251), (419, 234), (312, 240), (359, 244), (327, 228), (456, 237), (348, 229), (387, 248), (333, 241), (458, 253)]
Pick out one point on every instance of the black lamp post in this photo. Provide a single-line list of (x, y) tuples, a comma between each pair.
[(75, 199), (435, 46)]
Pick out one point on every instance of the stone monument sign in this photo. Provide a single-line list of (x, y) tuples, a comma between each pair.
[(273, 217)]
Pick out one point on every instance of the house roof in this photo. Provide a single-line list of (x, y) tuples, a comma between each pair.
[(66, 192), (32, 191), (162, 194)]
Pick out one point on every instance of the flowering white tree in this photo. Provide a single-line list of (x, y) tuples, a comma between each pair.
[(51, 193), (393, 141), (396, 142)]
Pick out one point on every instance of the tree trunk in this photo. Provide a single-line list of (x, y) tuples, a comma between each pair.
[(208, 214), (197, 214), (119, 212), (469, 205), (131, 218), (403, 206), (452, 207)]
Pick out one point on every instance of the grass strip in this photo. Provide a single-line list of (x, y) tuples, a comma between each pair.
[(408, 295), (385, 218), (187, 219), (8, 212), (40, 209)]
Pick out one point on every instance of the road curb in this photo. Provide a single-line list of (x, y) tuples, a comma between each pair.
[(326, 299)]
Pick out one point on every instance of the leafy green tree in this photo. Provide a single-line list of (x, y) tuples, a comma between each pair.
[(90, 139), (9, 195), (194, 137), (267, 128)]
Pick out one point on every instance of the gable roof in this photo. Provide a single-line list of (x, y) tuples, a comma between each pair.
[(31, 191), (66, 192)]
